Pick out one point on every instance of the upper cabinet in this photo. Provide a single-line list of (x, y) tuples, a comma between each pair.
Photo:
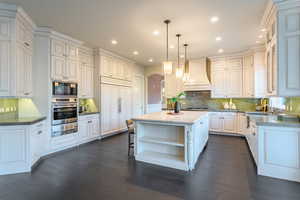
[(114, 67), (16, 49), (86, 71), (240, 76), (64, 59), (282, 22), (227, 77)]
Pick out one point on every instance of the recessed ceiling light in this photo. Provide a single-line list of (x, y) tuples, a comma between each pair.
[(150, 60), (182, 56), (260, 36), (172, 46), (135, 53), (214, 19), (155, 32), (220, 50), (114, 42), (218, 38), (263, 30)]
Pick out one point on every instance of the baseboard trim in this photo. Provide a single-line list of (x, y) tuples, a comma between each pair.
[(226, 134)]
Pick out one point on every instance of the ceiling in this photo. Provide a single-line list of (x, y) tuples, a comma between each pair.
[(132, 22)]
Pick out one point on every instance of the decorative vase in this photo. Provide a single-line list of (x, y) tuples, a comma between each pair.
[(177, 107)]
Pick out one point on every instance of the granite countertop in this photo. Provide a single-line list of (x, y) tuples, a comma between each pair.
[(187, 117), (21, 121), (88, 113), (271, 120)]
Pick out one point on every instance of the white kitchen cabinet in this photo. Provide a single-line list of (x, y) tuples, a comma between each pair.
[(278, 152), (215, 122), (227, 78), (88, 128), (116, 108), (86, 74), (16, 47), (248, 76), (223, 122), (282, 48), (37, 142), (65, 65), (116, 68), (21, 146)]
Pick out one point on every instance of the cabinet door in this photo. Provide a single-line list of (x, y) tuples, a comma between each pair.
[(89, 74), (126, 106), (20, 70), (94, 128), (58, 48), (215, 122), (105, 108), (28, 72), (82, 81), (248, 76), (288, 52), (235, 83), (106, 66), (219, 83), (83, 130), (72, 51), (115, 107), (230, 122), (4, 67), (58, 68), (72, 70)]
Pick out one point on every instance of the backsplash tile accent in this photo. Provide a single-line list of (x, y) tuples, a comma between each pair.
[(89, 104), (12, 108), (292, 105), (202, 99)]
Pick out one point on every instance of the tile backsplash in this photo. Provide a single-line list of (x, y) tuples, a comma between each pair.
[(89, 104), (11, 108), (202, 99)]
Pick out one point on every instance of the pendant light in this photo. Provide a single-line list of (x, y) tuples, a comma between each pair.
[(179, 70), (186, 75), (167, 64)]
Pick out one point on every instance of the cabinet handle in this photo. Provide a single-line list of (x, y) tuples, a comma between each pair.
[(253, 133), (26, 93), (89, 122), (27, 44)]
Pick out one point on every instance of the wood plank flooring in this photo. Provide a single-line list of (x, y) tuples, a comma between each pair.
[(101, 170)]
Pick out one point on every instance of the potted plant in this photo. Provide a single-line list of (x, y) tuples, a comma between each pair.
[(176, 101)]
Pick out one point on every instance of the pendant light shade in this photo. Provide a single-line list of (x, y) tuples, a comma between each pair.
[(179, 70), (186, 74), (168, 68)]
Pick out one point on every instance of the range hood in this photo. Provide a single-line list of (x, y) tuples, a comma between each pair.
[(199, 75)]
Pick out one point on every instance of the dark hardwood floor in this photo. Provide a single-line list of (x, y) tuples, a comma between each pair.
[(101, 170)]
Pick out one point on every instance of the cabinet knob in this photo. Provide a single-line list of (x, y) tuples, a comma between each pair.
[(40, 132), (89, 122)]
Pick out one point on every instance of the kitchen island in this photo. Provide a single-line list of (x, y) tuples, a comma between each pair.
[(174, 141)]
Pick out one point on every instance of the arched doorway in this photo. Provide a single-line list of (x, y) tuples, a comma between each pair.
[(155, 87)]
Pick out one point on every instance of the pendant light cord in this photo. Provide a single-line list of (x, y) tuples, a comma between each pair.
[(167, 23), (178, 35)]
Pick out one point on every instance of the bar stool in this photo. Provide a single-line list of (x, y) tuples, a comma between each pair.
[(130, 128)]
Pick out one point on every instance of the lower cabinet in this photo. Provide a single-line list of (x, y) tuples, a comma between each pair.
[(279, 152), (223, 122), (228, 122), (21, 146), (88, 128)]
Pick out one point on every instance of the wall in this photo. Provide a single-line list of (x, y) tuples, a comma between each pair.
[(154, 88)]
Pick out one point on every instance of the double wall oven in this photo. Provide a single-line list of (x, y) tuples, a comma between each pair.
[(64, 108)]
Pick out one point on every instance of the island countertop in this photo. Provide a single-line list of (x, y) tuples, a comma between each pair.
[(185, 117)]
